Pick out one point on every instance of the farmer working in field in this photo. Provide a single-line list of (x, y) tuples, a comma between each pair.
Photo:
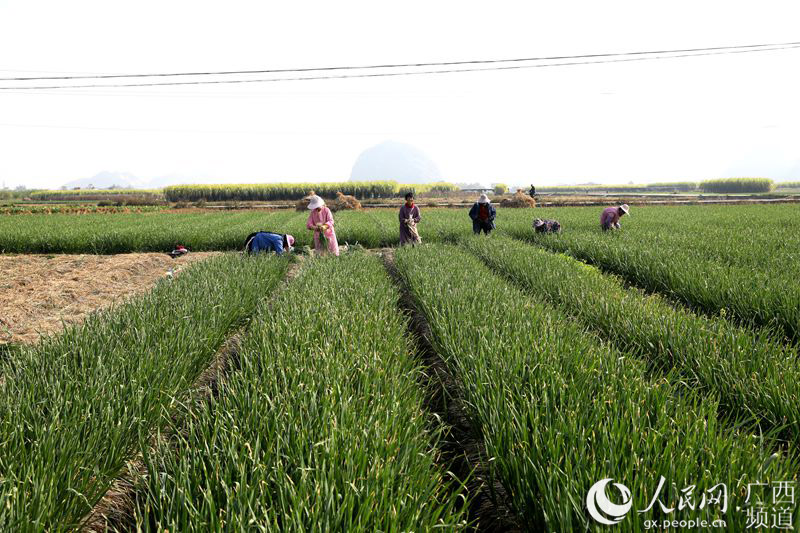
[(482, 215), (546, 226), (320, 221), (609, 219), (266, 241), (409, 218)]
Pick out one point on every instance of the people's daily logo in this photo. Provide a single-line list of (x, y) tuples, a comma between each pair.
[(764, 506), (602, 509)]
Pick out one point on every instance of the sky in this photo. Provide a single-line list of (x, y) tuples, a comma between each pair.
[(641, 121)]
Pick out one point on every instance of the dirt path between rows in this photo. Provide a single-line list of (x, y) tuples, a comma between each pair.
[(41, 293), (462, 448)]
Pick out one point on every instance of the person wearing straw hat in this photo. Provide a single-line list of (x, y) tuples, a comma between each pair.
[(609, 219), (409, 218), (320, 221), (547, 225), (482, 215)]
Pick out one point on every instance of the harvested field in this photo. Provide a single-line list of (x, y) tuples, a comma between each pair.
[(39, 294)]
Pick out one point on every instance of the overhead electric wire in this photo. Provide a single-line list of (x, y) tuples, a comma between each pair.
[(640, 56), (49, 71), (191, 131), (398, 65)]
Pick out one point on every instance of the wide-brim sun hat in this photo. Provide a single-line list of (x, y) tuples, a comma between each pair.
[(315, 202), (625, 209), (484, 199)]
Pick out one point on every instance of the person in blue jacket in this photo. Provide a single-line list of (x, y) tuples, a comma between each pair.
[(265, 241), (482, 215)]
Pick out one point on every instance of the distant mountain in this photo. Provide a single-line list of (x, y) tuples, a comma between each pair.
[(106, 179), (792, 173), (396, 161), (126, 180)]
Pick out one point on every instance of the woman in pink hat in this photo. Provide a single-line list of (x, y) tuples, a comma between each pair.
[(320, 221)]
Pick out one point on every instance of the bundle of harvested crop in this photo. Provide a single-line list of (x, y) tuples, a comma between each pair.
[(302, 204), (412, 229), (519, 199), (344, 201)]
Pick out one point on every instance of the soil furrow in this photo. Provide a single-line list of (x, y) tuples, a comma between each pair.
[(462, 449)]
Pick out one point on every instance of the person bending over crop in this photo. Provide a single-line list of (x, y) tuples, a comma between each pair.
[(320, 221), (266, 241), (609, 219), (482, 215), (409, 218), (547, 225)]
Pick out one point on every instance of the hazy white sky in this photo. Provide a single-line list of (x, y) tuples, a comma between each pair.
[(689, 118)]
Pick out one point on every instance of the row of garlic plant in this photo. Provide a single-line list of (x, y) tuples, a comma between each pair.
[(133, 232), (75, 407), (750, 371), (107, 233), (559, 410), (699, 258), (202, 231), (713, 233), (322, 428)]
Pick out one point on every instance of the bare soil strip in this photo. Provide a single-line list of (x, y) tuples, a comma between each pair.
[(115, 511), (463, 452), (40, 293)]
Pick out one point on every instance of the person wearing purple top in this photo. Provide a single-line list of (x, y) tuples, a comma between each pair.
[(609, 219), (409, 218)]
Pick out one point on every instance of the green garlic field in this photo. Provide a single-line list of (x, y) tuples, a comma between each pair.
[(313, 393)]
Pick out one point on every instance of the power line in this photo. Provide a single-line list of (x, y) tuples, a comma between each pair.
[(640, 57), (397, 65), (191, 131), (48, 71)]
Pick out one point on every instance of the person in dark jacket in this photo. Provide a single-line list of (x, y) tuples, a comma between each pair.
[(532, 192), (265, 241), (482, 215)]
